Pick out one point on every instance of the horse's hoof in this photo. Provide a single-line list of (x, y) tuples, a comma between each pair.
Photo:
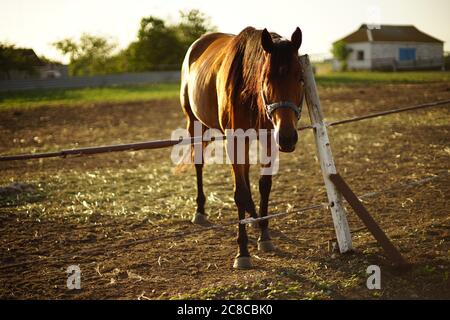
[(266, 246), (201, 220), (242, 263)]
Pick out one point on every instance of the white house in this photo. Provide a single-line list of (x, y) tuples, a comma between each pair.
[(390, 47)]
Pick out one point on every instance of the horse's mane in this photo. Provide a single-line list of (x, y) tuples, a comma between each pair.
[(243, 69)]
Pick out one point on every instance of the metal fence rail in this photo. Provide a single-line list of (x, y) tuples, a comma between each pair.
[(158, 144)]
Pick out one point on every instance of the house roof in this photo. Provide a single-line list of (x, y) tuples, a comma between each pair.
[(30, 55), (388, 33)]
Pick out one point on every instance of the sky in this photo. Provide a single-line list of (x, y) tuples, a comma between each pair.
[(38, 23)]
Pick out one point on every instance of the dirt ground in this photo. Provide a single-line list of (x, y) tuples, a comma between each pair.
[(124, 217)]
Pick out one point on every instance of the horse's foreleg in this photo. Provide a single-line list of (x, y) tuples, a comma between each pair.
[(265, 186), (264, 241), (251, 209), (242, 198)]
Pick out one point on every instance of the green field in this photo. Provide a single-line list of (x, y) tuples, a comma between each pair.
[(55, 97), (35, 98)]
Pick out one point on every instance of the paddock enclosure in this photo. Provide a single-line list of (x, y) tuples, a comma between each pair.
[(124, 217)]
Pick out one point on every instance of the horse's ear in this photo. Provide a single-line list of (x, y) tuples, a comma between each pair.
[(266, 41), (296, 38)]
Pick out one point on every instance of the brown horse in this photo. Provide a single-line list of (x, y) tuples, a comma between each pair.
[(249, 80)]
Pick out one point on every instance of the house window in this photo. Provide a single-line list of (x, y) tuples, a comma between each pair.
[(360, 55), (407, 54)]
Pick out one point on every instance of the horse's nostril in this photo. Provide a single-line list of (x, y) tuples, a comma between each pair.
[(288, 141), (295, 137)]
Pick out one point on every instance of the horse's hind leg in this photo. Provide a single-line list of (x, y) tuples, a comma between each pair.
[(200, 215)]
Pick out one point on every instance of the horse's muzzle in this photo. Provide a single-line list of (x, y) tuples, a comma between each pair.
[(287, 142)]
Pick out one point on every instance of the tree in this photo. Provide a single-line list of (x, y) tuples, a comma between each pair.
[(341, 52), (89, 55), (12, 58), (157, 47), (193, 24), (161, 46)]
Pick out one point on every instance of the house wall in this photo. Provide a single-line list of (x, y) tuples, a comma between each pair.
[(41, 72), (391, 50), (18, 75), (51, 71), (353, 62), (386, 52)]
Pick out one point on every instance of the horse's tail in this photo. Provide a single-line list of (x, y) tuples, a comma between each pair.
[(184, 163), (188, 157)]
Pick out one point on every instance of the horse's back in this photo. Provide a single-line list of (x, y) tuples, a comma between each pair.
[(198, 78)]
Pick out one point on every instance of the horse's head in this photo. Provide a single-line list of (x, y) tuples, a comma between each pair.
[(281, 91)]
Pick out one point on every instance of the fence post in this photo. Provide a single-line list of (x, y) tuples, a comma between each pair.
[(336, 206)]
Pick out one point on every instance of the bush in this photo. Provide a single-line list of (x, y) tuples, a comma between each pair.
[(341, 52)]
